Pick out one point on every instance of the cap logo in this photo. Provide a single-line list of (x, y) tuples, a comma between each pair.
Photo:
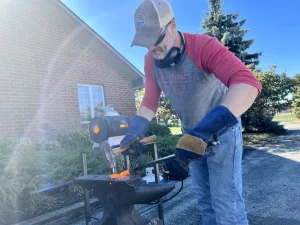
[(140, 21)]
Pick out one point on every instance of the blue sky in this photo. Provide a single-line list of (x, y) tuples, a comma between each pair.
[(274, 25)]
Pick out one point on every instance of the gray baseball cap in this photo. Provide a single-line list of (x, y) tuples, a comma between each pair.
[(149, 18)]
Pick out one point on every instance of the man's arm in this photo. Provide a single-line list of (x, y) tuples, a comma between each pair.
[(239, 98), (140, 122), (243, 86), (150, 101), (145, 112)]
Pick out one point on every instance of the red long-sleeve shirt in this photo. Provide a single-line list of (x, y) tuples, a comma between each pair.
[(199, 81)]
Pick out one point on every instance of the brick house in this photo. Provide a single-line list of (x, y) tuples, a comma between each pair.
[(54, 68)]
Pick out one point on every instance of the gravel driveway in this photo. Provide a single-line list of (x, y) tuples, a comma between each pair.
[(271, 172)]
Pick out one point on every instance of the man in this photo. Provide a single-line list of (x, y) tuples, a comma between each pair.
[(210, 89)]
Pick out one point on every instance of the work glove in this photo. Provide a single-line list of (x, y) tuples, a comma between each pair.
[(192, 145), (136, 131)]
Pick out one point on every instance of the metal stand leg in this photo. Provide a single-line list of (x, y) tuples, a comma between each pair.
[(127, 162), (157, 180), (87, 206)]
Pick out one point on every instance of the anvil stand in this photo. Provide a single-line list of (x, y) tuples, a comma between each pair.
[(87, 206)]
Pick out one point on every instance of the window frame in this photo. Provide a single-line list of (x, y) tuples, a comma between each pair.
[(91, 99)]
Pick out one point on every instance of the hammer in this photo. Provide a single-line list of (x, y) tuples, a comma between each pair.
[(146, 141)]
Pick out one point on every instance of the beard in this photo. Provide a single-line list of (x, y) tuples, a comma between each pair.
[(159, 53)]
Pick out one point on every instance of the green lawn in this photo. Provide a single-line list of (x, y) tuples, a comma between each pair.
[(286, 118), (249, 139), (252, 138), (175, 130)]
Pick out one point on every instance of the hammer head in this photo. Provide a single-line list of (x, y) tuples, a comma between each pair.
[(106, 153), (103, 127)]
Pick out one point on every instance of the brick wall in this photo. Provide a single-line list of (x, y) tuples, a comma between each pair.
[(40, 67)]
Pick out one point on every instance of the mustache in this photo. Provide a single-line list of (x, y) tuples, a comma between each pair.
[(157, 50)]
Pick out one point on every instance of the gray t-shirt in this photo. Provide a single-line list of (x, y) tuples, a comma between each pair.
[(198, 82)]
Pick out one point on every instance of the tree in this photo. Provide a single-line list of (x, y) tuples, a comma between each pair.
[(229, 32), (273, 99), (276, 89), (139, 94), (274, 96), (296, 97), (166, 111)]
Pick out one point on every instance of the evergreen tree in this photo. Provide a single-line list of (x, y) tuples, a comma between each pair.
[(229, 32)]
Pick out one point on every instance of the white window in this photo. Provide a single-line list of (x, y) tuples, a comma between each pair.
[(89, 97)]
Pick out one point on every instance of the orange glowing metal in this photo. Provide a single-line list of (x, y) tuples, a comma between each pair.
[(119, 175), (123, 125), (96, 129)]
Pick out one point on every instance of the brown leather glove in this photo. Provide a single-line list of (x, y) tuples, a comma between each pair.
[(194, 146)]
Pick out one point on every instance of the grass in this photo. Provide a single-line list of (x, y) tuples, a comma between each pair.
[(249, 139), (286, 118), (175, 130), (254, 138)]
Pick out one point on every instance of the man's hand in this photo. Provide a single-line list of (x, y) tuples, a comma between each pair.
[(136, 131), (192, 146)]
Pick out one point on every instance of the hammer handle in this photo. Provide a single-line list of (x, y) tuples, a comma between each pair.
[(146, 140)]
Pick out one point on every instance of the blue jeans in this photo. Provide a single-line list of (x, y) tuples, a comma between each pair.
[(217, 181)]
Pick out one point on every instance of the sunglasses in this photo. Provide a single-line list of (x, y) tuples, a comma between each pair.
[(162, 36)]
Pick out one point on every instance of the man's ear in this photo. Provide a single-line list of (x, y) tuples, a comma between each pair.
[(173, 24)]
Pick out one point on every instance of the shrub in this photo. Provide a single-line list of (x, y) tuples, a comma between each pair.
[(28, 166), (6, 149), (19, 172), (262, 123), (76, 138), (166, 145), (158, 130), (41, 203), (139, 160), (6, 145), (46, 145)]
